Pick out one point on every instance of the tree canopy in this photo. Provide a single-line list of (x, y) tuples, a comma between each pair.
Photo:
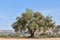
[(33, 21)]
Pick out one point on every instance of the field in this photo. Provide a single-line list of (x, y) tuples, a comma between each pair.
[(29, 39)]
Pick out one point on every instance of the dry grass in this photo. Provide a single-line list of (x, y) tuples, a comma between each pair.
[(29, 39)]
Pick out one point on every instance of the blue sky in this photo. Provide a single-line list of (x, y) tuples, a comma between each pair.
[(10, 9)]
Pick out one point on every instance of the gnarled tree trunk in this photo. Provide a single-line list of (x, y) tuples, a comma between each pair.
[(31, 34)]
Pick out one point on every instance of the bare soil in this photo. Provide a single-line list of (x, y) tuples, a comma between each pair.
[(29, 39)]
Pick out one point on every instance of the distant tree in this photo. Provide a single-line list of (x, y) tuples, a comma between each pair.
[(33, 21)]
